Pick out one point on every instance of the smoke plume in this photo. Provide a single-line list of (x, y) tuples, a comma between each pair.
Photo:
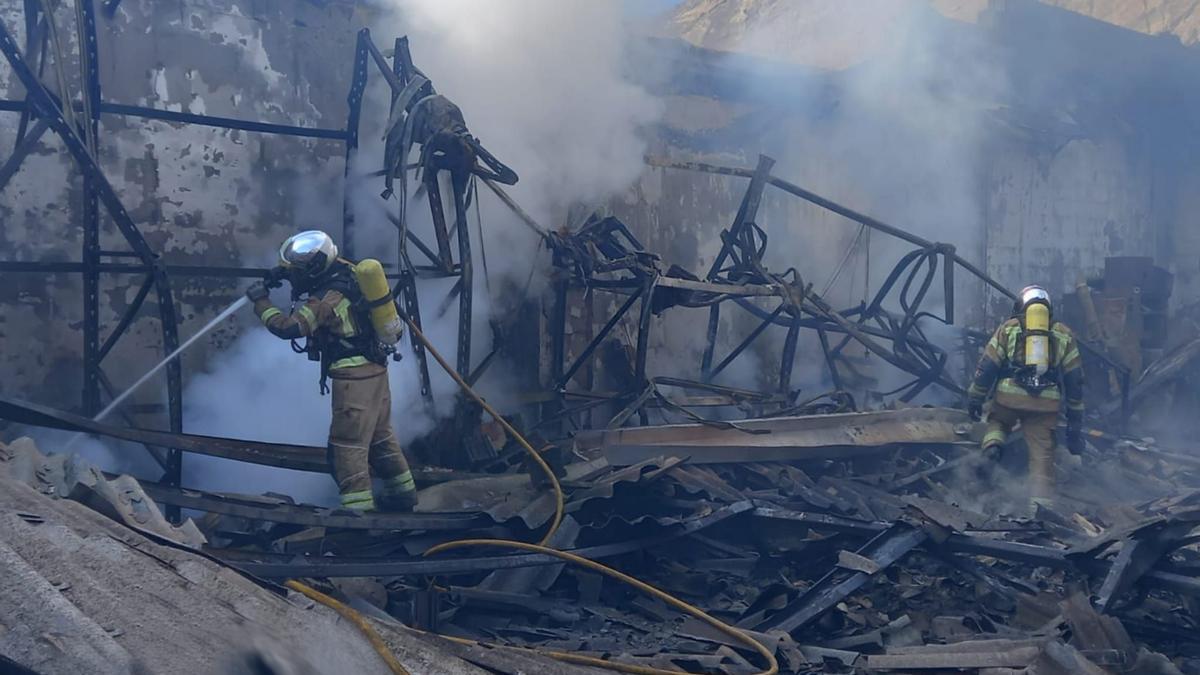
[(542, 84)]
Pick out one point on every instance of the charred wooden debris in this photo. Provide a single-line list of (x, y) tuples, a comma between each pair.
[(840, 540), (852, 542)]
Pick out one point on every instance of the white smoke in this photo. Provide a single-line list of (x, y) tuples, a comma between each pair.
[(542, 84), (899, 128)]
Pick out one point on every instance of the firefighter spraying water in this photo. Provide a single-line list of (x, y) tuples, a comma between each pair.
[(349, 322)]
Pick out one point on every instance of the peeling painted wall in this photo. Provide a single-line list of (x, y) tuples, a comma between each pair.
[(200, 195), (1052, 209)]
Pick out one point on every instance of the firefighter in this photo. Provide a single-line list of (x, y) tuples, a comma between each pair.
[(1032, 361), (337, 323)]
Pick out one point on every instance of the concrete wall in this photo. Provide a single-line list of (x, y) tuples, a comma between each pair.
[(1055, 214), (1050, 206), (200, 195)]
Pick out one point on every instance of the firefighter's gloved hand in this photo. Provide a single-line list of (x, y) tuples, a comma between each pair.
[(975, 409), (275, 277), (257, 291)]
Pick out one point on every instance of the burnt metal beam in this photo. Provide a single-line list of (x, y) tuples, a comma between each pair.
[(22, 149), (445, 566), (127, 318), (174, 117), (732, 290), (381, 61), (970, 544), (89, 57), (412, 238), (788, 358), (882, 550), (747, 211), (297, 457), (278, 511), (783, 438), (466, 270), (354, 100), (737, 351), (586, 354), (830, 205), (49, 110)]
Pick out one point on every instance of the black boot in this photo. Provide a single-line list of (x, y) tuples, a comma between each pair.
[(397, 502)]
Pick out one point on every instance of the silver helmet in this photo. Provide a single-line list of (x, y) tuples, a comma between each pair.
[(310, 252), (1030, 295)]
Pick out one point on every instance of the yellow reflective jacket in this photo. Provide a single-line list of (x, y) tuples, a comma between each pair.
[(1005, 354), (331, 313)]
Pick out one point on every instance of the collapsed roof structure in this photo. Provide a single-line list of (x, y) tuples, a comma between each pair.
[(834, 539)]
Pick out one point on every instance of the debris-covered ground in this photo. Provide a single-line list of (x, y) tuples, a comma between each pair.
[(893, 548)]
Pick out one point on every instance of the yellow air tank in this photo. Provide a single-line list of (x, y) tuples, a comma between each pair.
[(1037, 337), (374, 286)]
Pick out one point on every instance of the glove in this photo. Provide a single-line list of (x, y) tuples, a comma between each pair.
[(275, 277), (257, 291), (1075, 443), (975, 409)]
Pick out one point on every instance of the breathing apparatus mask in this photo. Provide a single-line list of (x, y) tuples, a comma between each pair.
[(303, 259)]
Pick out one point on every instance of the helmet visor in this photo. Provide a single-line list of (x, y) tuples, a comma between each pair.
[(1032, 294), (299, 249)]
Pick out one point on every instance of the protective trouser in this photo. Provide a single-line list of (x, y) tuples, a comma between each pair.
[(1039, 437), (361, 439)]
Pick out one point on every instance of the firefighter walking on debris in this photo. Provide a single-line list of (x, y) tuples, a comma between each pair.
[(350, 321), (1031, 361)]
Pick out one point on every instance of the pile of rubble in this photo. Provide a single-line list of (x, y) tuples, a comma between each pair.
[(844, 543)]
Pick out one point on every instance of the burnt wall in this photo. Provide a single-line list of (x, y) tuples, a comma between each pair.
[(1081, 162), (200, 195)]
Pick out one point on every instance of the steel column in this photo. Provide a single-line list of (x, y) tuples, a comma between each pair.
[(358, 84), (91, 215)]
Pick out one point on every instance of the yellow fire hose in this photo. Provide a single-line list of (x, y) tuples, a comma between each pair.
[(350, 614), (541, 547), (740, 636), (537, 456)]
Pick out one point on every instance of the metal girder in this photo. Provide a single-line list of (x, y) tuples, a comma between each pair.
[(127, 318), (562, 381), (173, 117), (284, 456), (830, 205), (783, 438), (747, 211), (358, 85), (88, 56), (737, 290), (96, 184), (21, 151), (221, 122), (49, 110), (278, 511), (466, 267), (737, 351), (297, 457)]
